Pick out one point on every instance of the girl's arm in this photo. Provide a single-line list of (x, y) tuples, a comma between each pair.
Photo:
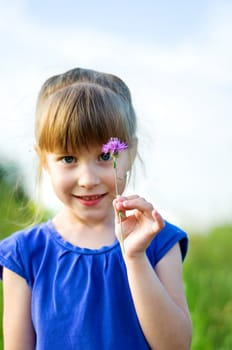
[(18, 330), (157, 293), (160, 302)]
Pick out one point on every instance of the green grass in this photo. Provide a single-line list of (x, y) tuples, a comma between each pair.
[(207, 272), (207, 276)]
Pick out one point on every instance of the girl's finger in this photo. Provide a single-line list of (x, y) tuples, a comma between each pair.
[(159, 221), (137, 203), (120, 212)]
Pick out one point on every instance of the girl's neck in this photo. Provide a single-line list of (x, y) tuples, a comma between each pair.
[(83, 234)]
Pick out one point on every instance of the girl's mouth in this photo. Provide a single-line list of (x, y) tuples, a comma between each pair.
[(90, 200)]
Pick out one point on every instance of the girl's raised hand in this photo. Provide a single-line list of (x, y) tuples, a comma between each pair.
[(140, 223)]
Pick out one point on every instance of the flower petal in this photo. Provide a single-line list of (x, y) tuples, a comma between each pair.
[(114, 145)]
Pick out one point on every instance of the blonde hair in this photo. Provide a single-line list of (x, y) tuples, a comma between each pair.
[(83, 107)]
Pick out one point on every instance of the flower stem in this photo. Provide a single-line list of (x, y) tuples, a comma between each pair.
[(116, 177), (121, 232), (117, 195)]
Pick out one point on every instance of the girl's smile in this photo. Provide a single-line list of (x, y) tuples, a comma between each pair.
[(90, 200)]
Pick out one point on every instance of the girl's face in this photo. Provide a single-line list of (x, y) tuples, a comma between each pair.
[(85, 183)]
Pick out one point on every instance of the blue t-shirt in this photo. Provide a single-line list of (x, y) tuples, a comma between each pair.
[(80, 297)]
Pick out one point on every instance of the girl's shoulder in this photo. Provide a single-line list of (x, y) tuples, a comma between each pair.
[(28, 237), (165, 240), (23, 247)]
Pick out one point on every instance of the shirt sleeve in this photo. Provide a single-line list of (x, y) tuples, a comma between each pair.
[(165, 240), (10, 256)]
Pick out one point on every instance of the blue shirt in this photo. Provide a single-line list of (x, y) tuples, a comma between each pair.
[(80, 297)]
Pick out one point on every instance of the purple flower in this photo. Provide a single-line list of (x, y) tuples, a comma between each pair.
[(114, 146)]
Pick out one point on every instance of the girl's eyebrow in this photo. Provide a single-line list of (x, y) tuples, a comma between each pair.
[(64, 151), (61, 154)]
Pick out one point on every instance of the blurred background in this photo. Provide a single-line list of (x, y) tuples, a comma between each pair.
[(176, 58)]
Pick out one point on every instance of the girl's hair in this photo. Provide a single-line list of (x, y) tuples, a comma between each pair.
[(83, 107)]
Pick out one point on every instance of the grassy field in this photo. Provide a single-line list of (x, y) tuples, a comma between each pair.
[(207, 276), (207, 273)]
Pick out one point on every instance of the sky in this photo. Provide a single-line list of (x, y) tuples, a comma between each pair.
[(176, 58)]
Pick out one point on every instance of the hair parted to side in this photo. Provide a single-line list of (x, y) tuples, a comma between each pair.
[(83, 107)]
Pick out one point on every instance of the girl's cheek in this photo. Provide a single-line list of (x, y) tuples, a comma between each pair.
[(62, 179), (122, 173), (122, 184)]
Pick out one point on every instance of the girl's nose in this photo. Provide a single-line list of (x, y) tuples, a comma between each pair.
[(88, 176)]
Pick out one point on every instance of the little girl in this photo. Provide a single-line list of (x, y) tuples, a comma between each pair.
[(72, 282)]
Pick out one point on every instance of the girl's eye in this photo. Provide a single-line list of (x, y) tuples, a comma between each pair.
[(105, 156), (68, 159)]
